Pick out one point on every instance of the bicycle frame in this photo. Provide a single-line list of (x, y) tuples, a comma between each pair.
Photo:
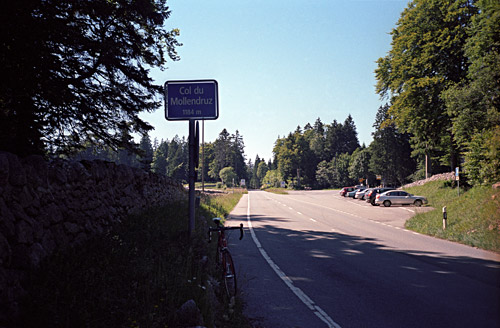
[(224, 258), (220, 229)]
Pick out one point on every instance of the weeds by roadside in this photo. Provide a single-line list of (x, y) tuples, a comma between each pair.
[(218, 205), (473, 217), (136, 275)]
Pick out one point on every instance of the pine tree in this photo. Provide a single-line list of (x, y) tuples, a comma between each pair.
[(146, 152), (159, 163)]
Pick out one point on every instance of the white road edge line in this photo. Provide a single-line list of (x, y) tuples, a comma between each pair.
[(297, 291)]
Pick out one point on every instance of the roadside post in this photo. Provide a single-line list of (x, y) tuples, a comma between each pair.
[(445, 217), (192, 101), (457, 177)]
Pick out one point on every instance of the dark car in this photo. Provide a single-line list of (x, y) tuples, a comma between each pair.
[(370, 195), (345, 190)]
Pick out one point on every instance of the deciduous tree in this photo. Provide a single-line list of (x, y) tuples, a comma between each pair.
[(474, 102), (228, 176), (426, 57)]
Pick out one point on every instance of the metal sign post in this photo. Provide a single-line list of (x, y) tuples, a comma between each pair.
[(203, 156), (192, 101)]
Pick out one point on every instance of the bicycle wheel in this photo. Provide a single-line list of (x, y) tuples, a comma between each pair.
[(228, 274)]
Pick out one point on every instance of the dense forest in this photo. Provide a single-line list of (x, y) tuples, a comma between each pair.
[(318, 156), (171, 157), (329, 155)]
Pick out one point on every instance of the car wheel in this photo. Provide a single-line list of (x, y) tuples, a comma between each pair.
[(418, 203), (387, 203)]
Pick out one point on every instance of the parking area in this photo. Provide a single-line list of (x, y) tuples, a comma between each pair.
[(395, 215)]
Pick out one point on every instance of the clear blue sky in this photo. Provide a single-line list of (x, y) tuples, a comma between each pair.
[(280, 64)]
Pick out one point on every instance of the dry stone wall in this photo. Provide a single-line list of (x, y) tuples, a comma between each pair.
[(48, 205), (442, 176)]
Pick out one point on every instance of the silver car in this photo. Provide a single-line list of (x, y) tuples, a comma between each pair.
[(399, 197)]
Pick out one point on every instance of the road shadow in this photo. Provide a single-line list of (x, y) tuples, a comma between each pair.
[(367, 283)]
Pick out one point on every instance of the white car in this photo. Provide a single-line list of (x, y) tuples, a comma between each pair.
[(360, 194)]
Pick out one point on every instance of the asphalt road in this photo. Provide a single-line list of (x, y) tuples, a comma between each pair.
[(315, 259)]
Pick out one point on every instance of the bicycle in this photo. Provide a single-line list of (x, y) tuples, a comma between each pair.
[(223, 257)]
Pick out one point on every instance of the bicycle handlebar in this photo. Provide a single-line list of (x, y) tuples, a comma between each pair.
[(221, 228)]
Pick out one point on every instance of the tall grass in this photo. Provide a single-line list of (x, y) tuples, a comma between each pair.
[(136, 275), (473, 217), (279, 191)]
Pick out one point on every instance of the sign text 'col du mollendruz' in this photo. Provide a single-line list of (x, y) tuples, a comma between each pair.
[(191, 100)]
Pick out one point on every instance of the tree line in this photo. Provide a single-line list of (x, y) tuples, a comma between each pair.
[(440, 82), (318, 156), (75, 76), (330, 156), (171, 157)]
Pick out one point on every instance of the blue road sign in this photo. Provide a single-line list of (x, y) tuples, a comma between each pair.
[(191, 100)]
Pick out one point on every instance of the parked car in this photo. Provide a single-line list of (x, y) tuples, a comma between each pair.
[(345, 190), (361, 194), (356, 190), (370, 195), (399, 197)]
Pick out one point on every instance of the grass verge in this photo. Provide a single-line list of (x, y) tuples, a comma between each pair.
[(136, 275), (473, 217)]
